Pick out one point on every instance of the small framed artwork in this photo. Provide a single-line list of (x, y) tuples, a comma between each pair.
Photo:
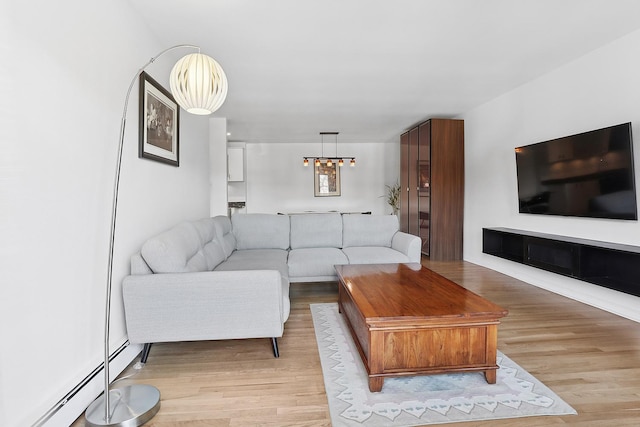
[(159, 123), (327, 180)]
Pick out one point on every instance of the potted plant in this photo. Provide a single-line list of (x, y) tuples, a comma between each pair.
[(393, 197)]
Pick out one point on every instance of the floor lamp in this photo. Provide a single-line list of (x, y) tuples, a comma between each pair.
[(198, 85)]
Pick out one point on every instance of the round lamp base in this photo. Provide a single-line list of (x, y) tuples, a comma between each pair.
[(130, 406)]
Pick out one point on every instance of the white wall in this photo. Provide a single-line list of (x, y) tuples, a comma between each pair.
[(217, 166), (277, 181), (65, 70), (597, 90)]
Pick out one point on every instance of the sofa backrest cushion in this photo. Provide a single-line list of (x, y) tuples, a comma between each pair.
[(261, 231), (187, 247), (210, 242), (323, 230), (225, 234), (368, 230)]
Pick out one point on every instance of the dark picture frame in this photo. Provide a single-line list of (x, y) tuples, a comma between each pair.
[(327, 180), (159, 123)]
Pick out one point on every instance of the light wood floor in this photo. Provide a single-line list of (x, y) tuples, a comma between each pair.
[(589, 357)]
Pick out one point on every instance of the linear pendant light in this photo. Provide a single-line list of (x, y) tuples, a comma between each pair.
[(329, 160)]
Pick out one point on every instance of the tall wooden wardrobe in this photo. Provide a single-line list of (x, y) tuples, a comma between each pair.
[(432, 186)]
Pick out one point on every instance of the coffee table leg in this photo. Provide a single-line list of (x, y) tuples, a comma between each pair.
[(375, 384), (490, 375)]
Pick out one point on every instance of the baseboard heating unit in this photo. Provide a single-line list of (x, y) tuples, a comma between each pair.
[(73, 404)]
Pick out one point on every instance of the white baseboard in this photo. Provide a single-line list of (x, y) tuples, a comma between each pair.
[(67, 411)]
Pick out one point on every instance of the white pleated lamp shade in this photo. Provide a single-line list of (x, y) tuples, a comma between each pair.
[(198, 84)]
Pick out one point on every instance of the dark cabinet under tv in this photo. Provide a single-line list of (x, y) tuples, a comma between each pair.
[(614, 266)]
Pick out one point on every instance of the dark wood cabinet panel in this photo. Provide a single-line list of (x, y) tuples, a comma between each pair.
[(424, 186), (434, 172), (413, 182), (404, 182)]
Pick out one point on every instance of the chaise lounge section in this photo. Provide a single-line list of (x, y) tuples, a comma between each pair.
[(216, 278)]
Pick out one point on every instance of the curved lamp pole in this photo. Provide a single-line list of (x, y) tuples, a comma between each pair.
[(199, 85)]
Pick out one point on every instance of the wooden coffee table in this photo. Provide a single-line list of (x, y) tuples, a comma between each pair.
[(408, 320)]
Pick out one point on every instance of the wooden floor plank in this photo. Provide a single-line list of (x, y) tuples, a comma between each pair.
[(587, 356)]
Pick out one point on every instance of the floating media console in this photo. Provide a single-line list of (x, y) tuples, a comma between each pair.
[(611, 265)]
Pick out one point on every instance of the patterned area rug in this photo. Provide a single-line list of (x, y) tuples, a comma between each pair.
[(421, 400)]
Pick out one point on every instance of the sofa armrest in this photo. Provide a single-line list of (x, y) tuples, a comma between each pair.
[(408, 244), (205, 305)]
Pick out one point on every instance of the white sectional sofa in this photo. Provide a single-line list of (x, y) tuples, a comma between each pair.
[(217, 278)]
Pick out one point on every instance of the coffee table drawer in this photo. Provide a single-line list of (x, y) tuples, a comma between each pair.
[(434, 348)]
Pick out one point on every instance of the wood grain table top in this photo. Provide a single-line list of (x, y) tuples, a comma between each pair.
[(406, 292)]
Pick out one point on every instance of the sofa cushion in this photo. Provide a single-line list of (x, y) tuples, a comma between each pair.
[(205, 229), (177, 250), (312, 262), (261, 231), (225, 234), (262, 259), (374, 255), (368, 230), (322, 230), (257, 259), (210, 241)]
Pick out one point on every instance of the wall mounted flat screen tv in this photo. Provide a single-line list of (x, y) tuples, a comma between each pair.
[(586, 175)]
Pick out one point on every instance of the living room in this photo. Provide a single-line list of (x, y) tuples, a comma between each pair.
[(75, 60)]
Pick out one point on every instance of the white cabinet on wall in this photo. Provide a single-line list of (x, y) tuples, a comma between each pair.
[(235, 164), (236, 178)]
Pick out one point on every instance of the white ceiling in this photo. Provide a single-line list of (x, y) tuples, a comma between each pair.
[(371, 69)]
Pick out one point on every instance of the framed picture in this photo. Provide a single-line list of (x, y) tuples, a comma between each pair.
[(159, 123), (327, 180)]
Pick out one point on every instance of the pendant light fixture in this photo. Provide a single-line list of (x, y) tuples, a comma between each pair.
[(329, 161)]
